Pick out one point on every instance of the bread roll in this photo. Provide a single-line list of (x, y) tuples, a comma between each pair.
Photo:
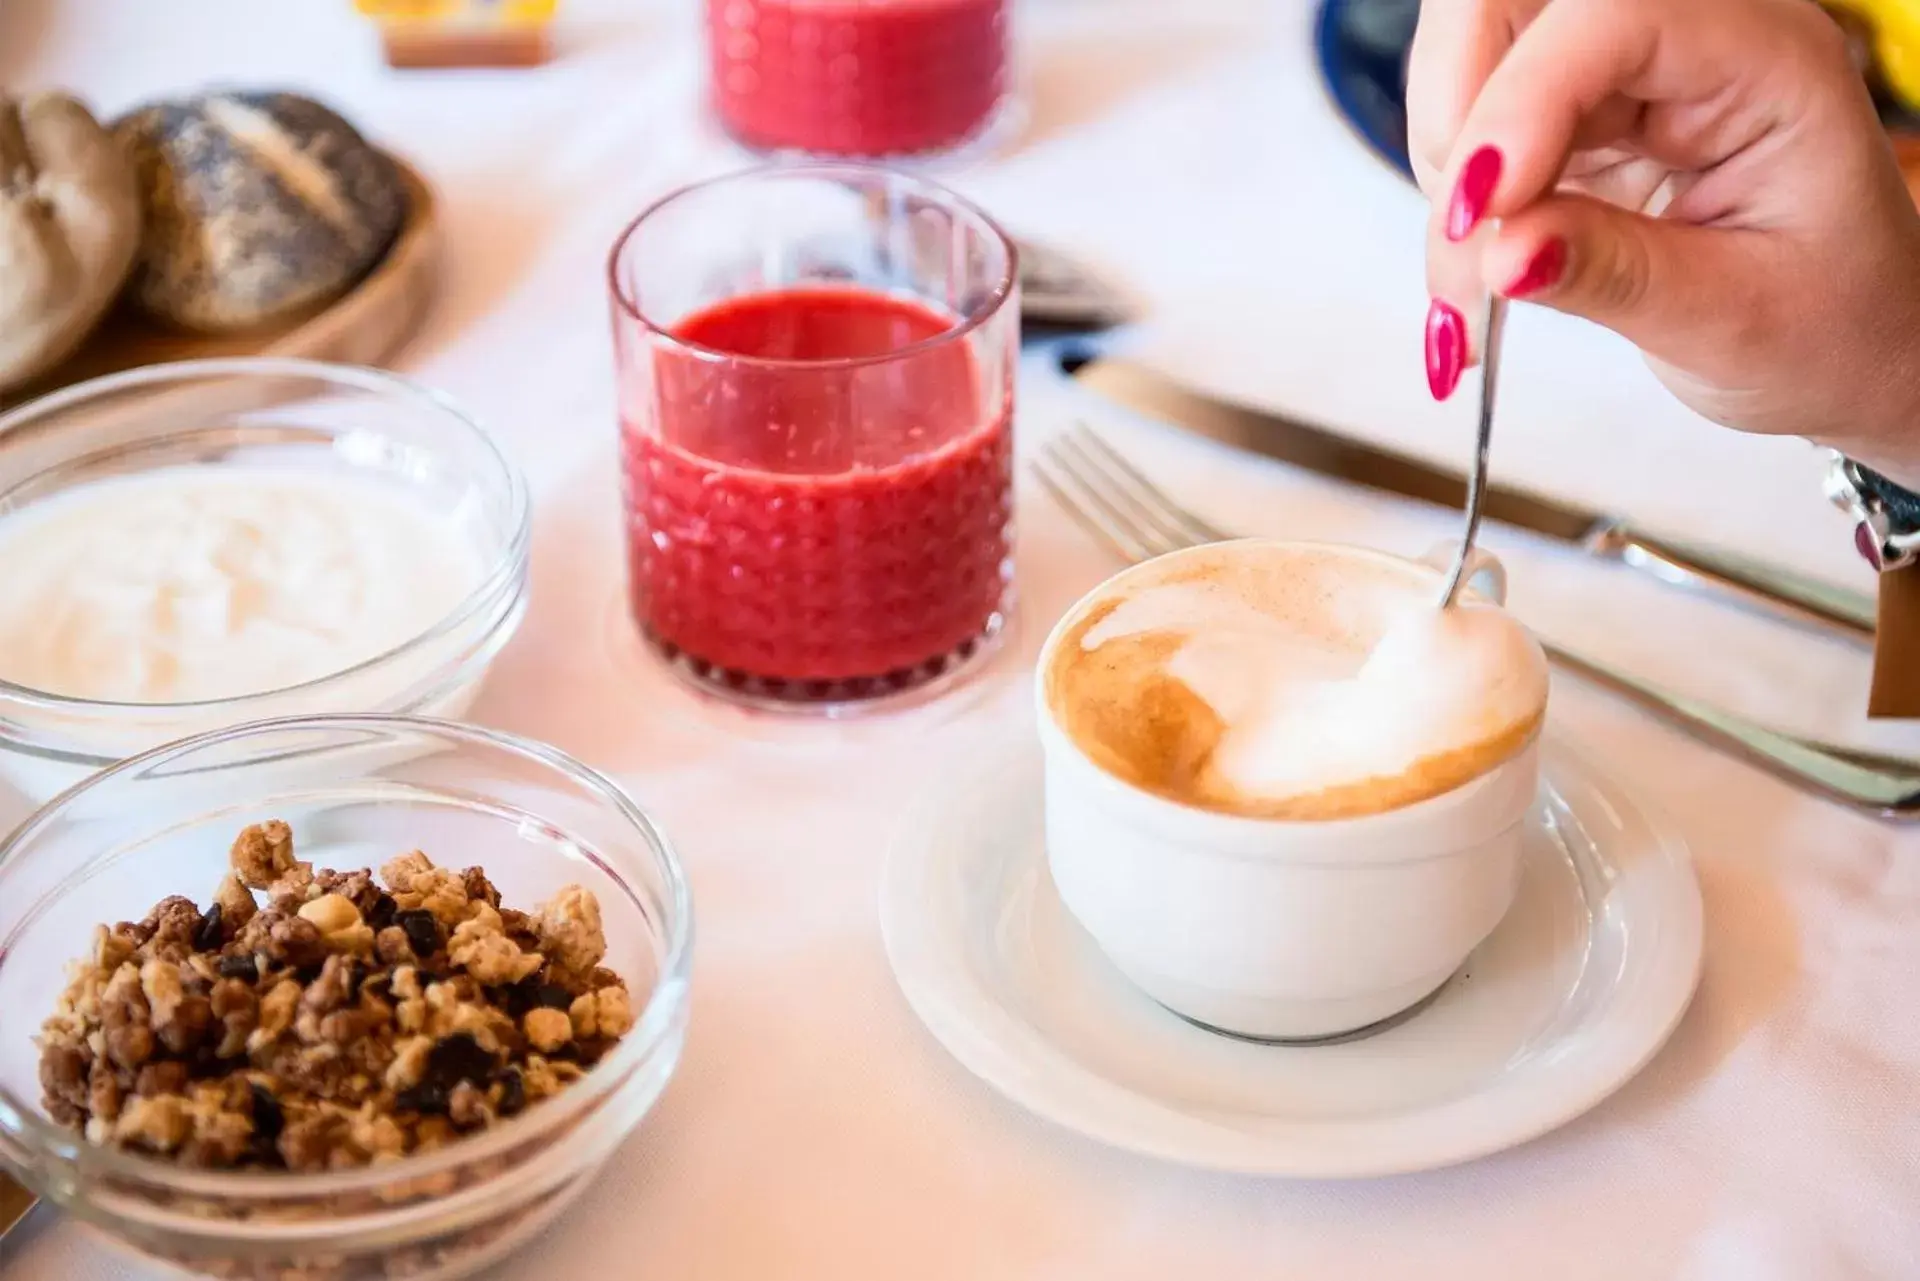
[(69, 226), (259, 207)]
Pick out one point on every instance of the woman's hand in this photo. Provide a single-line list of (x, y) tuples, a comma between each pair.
[(1705, 177)]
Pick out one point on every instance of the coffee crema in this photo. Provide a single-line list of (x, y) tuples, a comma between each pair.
[(1295, 681)]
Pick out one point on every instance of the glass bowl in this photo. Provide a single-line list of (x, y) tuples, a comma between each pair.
[(357, 791), (283, 413)]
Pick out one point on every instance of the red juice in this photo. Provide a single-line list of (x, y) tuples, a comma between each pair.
[(856, 77), (834, 510)]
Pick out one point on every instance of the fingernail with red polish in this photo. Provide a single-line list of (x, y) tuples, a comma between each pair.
[(1478, 177), (1543, 270), (1446, 348)]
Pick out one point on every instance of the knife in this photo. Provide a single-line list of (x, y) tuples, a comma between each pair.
[(1750, 581), (15, 1202)]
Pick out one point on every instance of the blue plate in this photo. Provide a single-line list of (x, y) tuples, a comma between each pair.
[(1361, 48)]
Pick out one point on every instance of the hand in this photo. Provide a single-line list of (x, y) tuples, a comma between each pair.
[(1705, 177)]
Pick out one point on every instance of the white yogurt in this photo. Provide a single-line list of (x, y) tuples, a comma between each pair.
[(200, 583)]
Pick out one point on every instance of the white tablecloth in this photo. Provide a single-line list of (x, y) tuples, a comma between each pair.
[(815, 1130)]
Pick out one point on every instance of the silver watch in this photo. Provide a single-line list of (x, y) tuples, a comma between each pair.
[(1886, 529)]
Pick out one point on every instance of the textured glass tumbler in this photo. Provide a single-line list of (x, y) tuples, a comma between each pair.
[(858, 78), (815, 369)]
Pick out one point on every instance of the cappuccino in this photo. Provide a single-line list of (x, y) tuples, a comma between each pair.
[(1293, 681)]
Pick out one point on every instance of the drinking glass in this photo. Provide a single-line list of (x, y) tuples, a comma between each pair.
[(858, 78), (815, 368)]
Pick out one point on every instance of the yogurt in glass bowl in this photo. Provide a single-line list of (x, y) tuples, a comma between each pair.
[(196, 545)]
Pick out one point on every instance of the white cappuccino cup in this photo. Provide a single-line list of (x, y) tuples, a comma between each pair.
[(1281, 927)]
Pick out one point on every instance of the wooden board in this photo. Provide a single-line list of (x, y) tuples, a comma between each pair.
[(364, 327)]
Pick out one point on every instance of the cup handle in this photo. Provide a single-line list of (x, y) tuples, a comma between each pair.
[(1485, 574)]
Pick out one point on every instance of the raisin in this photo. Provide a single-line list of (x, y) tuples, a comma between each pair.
[(428, 1097), (239, 967), (308, 973), (268, 1119), (531, 994), (513, 1092), (458, 1058), (206, 936), (381, 914), (423, 932), (514, 998)]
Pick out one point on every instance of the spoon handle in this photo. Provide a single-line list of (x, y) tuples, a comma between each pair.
[(1483, 440)]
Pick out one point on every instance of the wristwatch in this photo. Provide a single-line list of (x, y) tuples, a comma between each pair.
[(1886, 529)]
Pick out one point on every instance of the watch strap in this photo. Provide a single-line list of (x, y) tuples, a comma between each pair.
[(1895, 690), (1902, 504)]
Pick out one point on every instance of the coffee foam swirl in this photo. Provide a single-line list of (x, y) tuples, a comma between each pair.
[(1294, 681)]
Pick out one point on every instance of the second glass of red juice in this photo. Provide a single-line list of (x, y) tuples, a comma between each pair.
[(815, 367)]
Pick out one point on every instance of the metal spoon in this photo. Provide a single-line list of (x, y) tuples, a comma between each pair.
[(1477, 479)]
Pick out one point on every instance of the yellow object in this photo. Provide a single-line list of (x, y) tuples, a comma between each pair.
[(1896, 42), (463, 33), (464, 12)]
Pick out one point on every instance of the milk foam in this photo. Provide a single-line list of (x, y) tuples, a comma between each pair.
[(1335, 680)]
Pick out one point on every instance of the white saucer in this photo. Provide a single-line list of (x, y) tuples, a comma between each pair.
[(1573, 993)]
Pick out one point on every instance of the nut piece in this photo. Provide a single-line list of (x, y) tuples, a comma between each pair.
[(277, 1009), (63, 1080), (569, 925), (393, 948), (174, 919), (235, 903), (156, 1079), (605, 1012), (339, 923), (332, 989), (399, 872), (409, 1064), (480, 947), (103, 1090), (159, 1123), (110, 950), (160, 981), (127, 1033), (237, 1009), (291, 940), (293, 887), (548, 1030), (439, 891), (262, 854)]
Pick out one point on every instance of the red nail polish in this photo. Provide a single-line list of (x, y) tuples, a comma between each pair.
[(1478, 177), (1446, 348), (1543, 270)]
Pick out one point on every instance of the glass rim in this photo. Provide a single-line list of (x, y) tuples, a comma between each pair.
[(1002, 292), (653, 1026), (379, 381)]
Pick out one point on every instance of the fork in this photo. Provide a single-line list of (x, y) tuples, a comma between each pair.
[(1113, 501)]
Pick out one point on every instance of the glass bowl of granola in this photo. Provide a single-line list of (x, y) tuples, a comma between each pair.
[(334, 997)]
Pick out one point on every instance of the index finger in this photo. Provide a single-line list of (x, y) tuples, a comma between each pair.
[(1456, 46), (1689, 75)]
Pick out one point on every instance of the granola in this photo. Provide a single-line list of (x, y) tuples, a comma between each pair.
[(340, 1023)]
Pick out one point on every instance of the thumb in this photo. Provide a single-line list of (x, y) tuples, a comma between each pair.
[(1653, 281)]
